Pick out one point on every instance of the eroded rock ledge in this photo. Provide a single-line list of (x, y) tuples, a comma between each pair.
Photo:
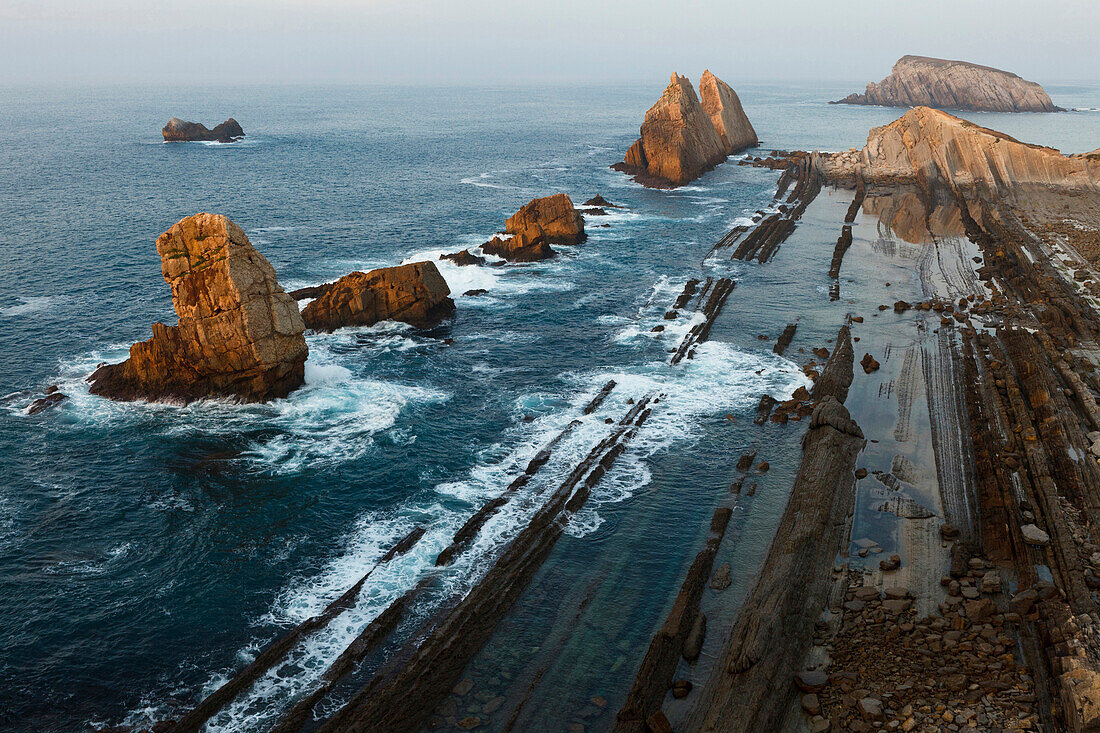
[(683, 137), (414, 293), (931, 82), (239, 335), (178, 130)]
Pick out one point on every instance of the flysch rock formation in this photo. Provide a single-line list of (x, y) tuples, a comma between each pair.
[(540, 223), (683, 137), (178, 130), (414, 293), (927, 146), (239, 335), (923, 81)]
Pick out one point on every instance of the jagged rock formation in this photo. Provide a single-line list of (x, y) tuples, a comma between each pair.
[(927, 146), (519, 248), (683, 137), (726, 114), (552, 218), (179, 131), (239, 335), (415, 294), (923, 81)]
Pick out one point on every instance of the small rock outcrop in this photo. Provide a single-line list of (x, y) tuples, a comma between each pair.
[(918, 81), (178, 130), (927, 146), (519, 248), (463, 258), (239, 335), (552, 218), (415, 294), (683, 137)]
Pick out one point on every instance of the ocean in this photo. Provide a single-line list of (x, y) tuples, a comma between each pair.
[(148, 551)]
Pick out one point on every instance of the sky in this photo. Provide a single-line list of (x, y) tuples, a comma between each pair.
[(498, 42)]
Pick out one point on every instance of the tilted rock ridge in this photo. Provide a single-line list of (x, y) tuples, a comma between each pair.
[(414, 293), (178, 130), (726, 114), (927, 146), (922, 81), (681, 138), (239, 335)]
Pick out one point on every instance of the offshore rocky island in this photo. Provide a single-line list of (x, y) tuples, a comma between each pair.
[(968, 438)]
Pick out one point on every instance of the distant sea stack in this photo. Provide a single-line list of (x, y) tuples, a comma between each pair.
[(179, 131), (239, 335), (923, 81), (928, 146), (415, 294), (683, 137)]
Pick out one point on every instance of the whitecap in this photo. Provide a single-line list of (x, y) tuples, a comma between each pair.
[(32, 304)]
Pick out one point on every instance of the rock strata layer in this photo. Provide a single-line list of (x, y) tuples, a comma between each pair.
[(239, 335), (683, 137), (178, 130), (923, 81), (927, 146), (415, 294)]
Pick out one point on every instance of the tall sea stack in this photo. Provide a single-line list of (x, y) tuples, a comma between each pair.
[(239, 335), (683, 137)]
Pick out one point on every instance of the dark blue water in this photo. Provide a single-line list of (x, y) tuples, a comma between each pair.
[(145, 550)]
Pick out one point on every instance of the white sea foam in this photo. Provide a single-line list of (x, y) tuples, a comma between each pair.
[(32, 304), (481, 181)]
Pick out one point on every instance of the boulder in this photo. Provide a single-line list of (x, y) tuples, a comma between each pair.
[(726, 114), (178, 130), (552, 218), (239, 335), (930, 82), (414, 293), (1034, 536), (679, 138)]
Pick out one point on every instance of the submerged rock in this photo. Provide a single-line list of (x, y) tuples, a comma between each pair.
[(415, 294), (239, 335), (683, 137), (178, 130), (924, 81)]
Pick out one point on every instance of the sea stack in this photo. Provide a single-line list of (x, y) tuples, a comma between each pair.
[(239, 335), (540, 223), (923, 81), (683, 137), (415, 294), (927, 146), (178, 130)]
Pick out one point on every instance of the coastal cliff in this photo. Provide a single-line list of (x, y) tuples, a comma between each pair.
[(178, 130), (927, 146), (415, 294), (682, 137), (239, 335), (930, 82)]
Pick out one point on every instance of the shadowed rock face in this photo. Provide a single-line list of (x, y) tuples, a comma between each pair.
[(179, 131), (415, 294), (239, 335), (927, 146), (724, 108), (929, 82), (681, 138)]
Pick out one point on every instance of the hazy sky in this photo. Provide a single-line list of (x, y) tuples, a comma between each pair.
[(425, 41)]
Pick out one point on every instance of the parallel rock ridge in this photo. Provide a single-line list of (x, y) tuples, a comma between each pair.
[(927, 146), (178, 130), (683, 137), (923, 81), (239, 335), (415, 294)]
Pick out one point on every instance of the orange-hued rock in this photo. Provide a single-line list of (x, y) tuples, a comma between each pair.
[(552, 217), (726, 114), (415, 294), (927, 146), (239, 335), (681, 139), (520, 248), (179, 131), (917, 81)]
